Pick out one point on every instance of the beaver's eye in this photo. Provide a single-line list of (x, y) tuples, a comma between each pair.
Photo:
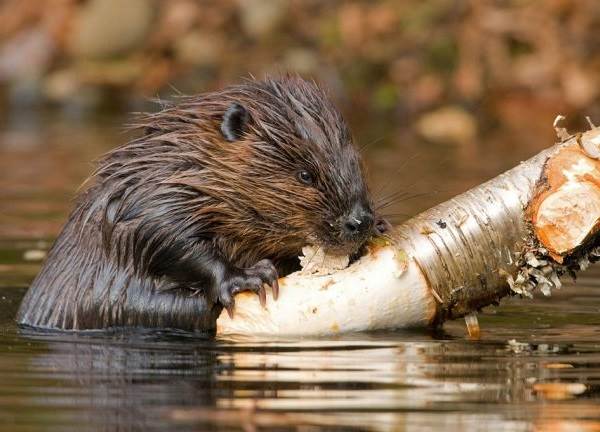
[(305, 177)]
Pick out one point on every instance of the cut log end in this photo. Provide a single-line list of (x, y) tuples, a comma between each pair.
[(566, 211)]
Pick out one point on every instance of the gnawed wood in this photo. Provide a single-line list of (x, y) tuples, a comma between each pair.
[(566, 211), (361, 297)]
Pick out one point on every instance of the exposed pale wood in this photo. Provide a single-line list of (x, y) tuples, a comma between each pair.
[(566, 211), (364, 296)]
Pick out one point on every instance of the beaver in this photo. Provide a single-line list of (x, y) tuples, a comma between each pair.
[(217, 195)]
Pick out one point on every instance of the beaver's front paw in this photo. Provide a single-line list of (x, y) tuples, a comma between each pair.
[(251, 279)]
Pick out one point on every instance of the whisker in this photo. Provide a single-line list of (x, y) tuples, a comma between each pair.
[(404, 188), (392, 197), (313, 256), (372, 142), (399, 199), (397, 220), (391, 215), (395, 194), (393, 174), (176, 90)]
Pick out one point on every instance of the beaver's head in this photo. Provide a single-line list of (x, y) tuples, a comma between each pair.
[(263, 169), (299, 177)]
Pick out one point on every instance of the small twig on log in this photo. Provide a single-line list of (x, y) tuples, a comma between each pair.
[(561, 132)]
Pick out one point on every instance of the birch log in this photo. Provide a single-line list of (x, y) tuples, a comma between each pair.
[(510, 235)]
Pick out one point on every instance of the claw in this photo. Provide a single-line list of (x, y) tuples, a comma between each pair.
[(275, 289), (230, 309), (262, 296)]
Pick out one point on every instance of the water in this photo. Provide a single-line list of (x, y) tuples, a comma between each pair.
[(536, 366)]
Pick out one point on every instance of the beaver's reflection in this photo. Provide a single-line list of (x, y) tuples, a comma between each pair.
[(120, 383)]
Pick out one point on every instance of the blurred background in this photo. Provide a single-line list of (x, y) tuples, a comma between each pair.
[(509, 60), (441, 94)]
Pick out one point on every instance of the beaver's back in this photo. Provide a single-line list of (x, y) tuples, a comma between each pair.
[(80, 287)]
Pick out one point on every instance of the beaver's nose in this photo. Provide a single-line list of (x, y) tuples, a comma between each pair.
[(358, 221)]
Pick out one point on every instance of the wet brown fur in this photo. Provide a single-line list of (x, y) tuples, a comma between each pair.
[(181, 194)]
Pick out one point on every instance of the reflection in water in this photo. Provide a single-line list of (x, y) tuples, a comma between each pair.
[(399, 381), (120, 384)]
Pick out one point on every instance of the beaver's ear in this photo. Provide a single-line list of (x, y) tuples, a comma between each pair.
[(234, 122)]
